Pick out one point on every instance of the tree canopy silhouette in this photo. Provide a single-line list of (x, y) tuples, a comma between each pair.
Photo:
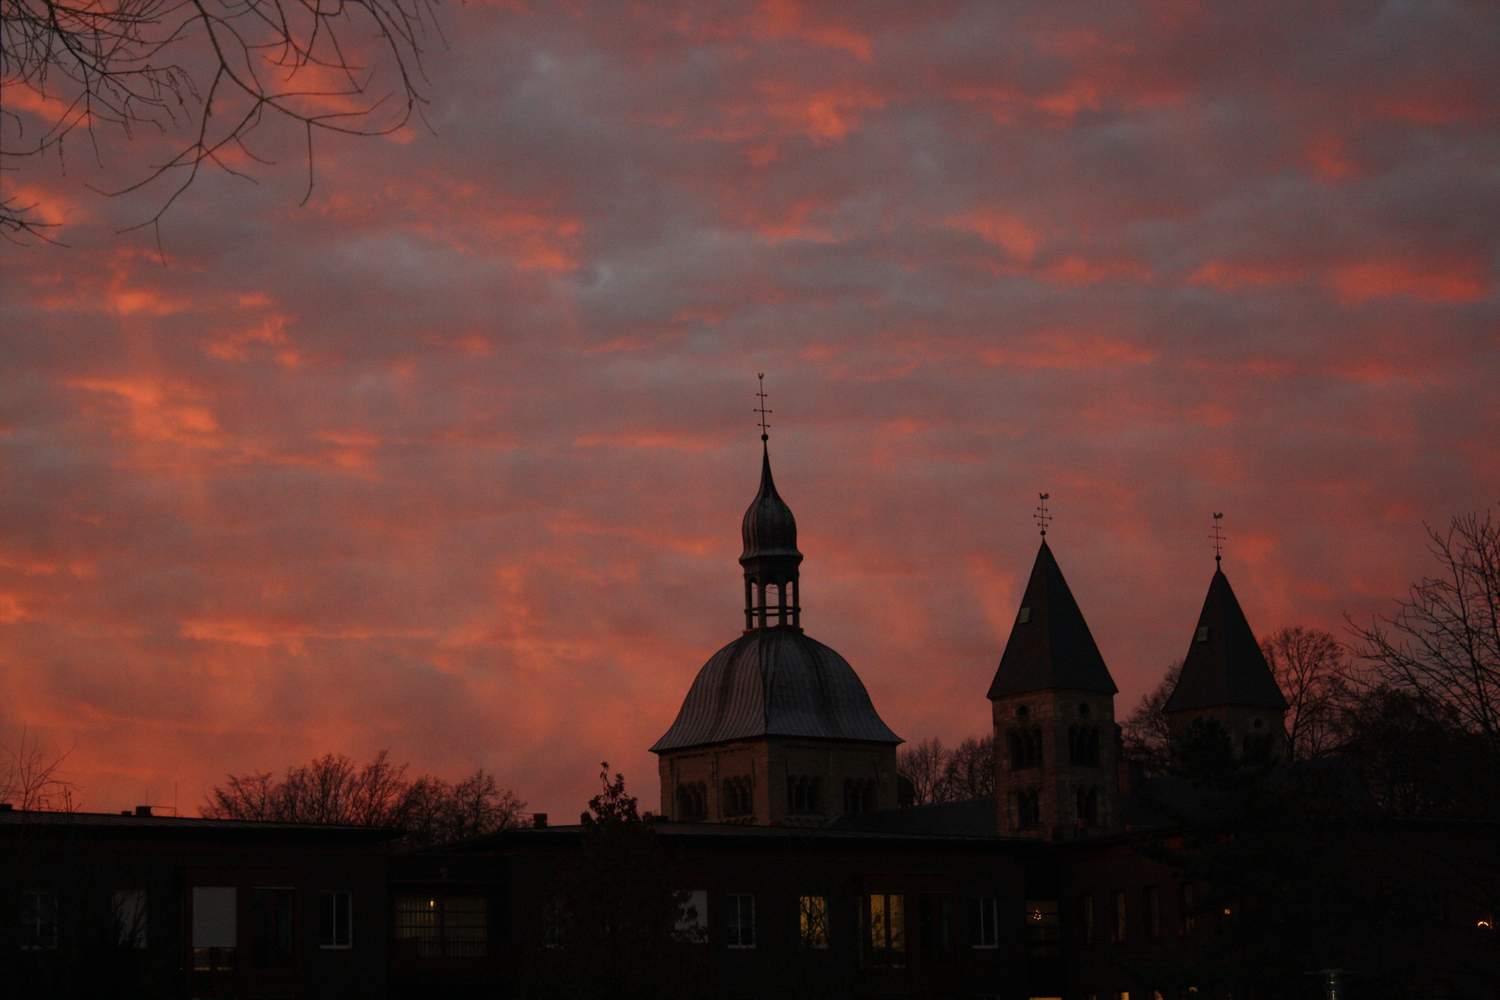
[(332, 789)]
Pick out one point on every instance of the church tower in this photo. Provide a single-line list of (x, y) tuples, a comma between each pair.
[(1053, 704), (1225, 679), (777, 728)]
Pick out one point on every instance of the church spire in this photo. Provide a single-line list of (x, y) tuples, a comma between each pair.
[(770, 557)]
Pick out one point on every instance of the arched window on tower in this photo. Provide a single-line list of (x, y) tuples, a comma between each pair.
[(1026, 804), (1086, 804), (1083, 745), (1025, 746), (738, 801), (692, 801)]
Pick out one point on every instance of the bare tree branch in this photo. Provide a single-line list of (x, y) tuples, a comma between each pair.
[(352, 67)]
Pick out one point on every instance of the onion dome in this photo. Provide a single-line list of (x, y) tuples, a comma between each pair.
[(768, 528), (775, 682), (1224, 664)]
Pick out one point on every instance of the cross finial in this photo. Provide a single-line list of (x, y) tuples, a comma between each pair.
[(1040, 515), (761, 409), (1218, 537)]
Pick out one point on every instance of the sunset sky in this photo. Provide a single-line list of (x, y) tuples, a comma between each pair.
[(452, 459)]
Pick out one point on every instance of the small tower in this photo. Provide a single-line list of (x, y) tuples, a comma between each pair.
[(777, 728), (1225, 677), (1053, 704)]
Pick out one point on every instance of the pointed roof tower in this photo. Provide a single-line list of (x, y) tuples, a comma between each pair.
[(1224, 664), (1050, 645)]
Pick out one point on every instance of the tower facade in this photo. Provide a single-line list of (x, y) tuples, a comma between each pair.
[(1053, 707), (1225, 680), (777, 728)]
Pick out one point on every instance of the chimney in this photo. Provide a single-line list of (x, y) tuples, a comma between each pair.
[(539, 821), (144, 811)]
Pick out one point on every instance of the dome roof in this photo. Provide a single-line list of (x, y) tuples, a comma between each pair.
[(775, 682), (768, 529)]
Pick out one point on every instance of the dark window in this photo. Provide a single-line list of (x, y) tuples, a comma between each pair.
[(335, 919), (1027, 803), (739, 921), (1122, 923), (738, 800), (1086, 918), (887, 925), (935, 921), (859, 795), (984, 924), (215, 927), (1086, 801), (802, 795), (1153, 913), (442, 926), (271, 913), (692, 801), (1025, 748), (1083, 745), (812, 922), (1187, 908), (38, 919)]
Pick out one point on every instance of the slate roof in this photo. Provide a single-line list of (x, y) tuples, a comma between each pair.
[(768, 528), (1053, 648), (1227, 666), (775, 682)]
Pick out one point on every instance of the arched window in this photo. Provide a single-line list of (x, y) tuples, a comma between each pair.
[(859, 795), (1017, 751), (1083, 745), (1086, 803), (737, 798), (692, 801), (802, 795)]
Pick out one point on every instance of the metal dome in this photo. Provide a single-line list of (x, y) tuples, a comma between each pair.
[(775, 682), (768, 528)]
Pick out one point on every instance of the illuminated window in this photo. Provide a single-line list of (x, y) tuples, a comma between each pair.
[(38, 919), (812, 922), (984, 923), (1121, 918), (442, 926), (888, 929), (1043, 927), (129, 912), (335, 919)]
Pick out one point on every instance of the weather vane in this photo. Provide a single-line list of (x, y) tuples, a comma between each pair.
[(1040, 516), (761, 409), (1218, 537)]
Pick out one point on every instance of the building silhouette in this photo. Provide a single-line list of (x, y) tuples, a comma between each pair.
[(783, 863)]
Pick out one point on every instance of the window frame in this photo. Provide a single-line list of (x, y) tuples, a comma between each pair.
[(890, 949), (984, 923), (32, 936), (813, 913), (739, 933), (135, 936), (331, 897)]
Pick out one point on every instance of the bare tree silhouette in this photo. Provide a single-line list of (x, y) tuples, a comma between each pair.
[(31, 776), (205, 74)]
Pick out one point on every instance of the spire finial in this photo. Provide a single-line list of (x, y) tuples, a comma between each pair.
[(1218, 537), (761, 409), (1040, 516)]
